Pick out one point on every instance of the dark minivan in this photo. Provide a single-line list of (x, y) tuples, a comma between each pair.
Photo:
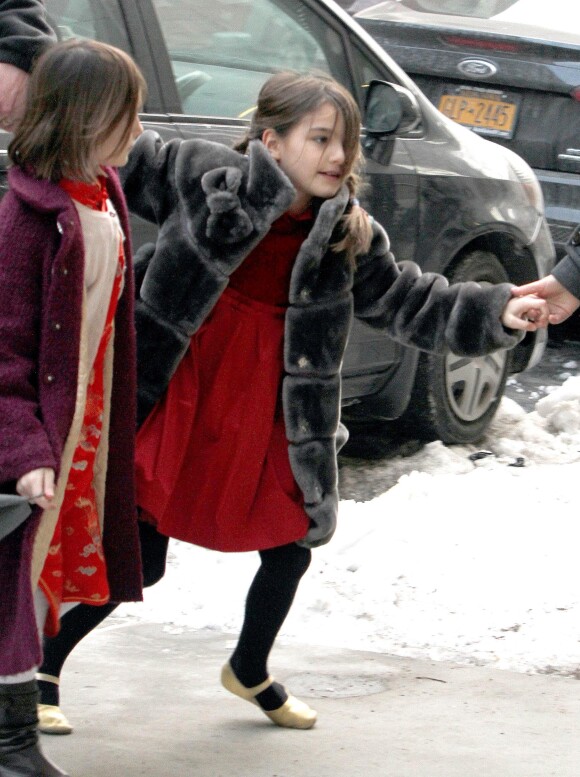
[(507, 69), (451, 201)]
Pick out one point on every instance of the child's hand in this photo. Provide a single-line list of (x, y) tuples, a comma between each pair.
[(37, 486), (561, 302), (527, 313)]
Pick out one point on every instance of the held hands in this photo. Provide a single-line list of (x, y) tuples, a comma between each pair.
[(37, 486), (561, 302), (526, 312)]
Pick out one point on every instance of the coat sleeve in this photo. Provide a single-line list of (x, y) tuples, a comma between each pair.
[(423, 310), (24, 445), (162, 177), (207, 193), (24, 32), (567, 271), (146, 176)]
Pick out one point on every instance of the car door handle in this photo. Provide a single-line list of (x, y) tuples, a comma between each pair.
[(570, 161)]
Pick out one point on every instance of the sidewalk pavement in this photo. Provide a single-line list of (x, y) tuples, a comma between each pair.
[(145, 701)]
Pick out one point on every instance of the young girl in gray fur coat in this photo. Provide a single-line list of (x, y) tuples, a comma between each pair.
[(263, 257)]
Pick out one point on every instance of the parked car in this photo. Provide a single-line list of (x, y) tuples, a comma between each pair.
[(450, 200), (507, 69)]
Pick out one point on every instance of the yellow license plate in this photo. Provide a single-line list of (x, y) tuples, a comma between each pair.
[(485, 114)]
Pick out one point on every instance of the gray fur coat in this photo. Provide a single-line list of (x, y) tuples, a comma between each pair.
[(213, 205)]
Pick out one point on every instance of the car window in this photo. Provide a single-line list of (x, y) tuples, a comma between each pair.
[(98, 19), (221, 53), (366, 70)]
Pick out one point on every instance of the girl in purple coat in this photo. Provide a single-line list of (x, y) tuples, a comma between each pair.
[(67, 368)]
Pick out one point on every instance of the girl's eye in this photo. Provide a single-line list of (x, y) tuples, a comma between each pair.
[(321, 139)]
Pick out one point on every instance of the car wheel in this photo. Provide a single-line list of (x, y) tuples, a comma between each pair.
[(454, 397)]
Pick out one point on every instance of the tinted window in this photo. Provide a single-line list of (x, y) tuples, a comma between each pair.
[(99, 19), (221, 53), (366, 70)]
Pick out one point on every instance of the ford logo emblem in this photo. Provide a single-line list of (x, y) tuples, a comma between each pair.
[(476, 68)]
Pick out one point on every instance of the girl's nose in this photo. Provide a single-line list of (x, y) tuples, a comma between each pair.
[(337, 154), (137, 127)]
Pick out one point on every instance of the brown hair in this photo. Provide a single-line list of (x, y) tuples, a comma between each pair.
[(284, 99), (78, 93)]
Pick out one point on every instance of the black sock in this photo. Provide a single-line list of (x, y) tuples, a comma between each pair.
[(272, 698), (48, 692)]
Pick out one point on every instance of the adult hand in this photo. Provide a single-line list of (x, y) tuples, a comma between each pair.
[(525, 313), (37, 486), (13, 83), (561, 302)]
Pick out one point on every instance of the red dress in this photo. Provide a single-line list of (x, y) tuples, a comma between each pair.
[(212, 457), (75, 568)]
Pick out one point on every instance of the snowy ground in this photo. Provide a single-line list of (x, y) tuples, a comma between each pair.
[(471, 561)]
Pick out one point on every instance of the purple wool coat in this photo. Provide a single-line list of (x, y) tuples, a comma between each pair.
[(41, 290)]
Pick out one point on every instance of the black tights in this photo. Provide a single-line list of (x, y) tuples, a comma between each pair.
[(82, 619), (267, 605)]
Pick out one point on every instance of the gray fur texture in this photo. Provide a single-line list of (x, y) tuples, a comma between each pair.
[(213, 206)]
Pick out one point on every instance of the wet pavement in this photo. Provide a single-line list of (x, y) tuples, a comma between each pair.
[(145, 701)]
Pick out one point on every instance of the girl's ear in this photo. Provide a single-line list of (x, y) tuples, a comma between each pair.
[(270, 140)]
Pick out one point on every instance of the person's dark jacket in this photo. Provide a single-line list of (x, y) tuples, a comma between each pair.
[(24, 32), (567, 271), (213, 205)]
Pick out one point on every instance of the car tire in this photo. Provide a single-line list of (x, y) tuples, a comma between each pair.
[(454, 398)]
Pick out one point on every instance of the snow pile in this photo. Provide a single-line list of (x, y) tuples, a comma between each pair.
[(466, 559)]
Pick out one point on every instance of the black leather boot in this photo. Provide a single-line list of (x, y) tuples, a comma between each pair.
[(20, 754)]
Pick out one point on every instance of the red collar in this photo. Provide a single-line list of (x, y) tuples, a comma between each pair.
[(93, 195)]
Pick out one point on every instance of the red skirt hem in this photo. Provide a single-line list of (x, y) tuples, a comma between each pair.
[(212, 458)]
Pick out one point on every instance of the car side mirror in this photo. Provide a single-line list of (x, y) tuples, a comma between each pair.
[(390, 108)]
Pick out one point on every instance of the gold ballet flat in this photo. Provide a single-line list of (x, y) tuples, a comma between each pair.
[(292, 714), (51, 720)]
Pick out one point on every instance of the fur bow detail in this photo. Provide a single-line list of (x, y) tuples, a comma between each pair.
[(227, 222)]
